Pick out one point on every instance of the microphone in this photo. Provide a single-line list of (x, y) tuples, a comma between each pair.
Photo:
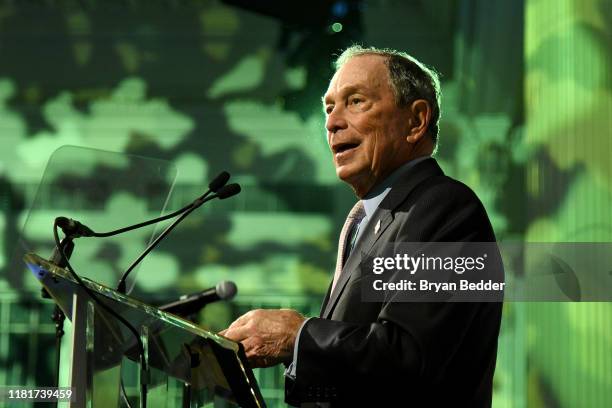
[(219, 181), (190, 304), (229, 191)]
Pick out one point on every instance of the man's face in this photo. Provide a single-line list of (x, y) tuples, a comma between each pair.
[(366, 130)]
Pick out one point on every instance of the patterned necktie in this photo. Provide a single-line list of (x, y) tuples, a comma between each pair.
[(354, 217)]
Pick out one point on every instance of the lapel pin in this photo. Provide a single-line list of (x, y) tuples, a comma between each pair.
[(377, 227)]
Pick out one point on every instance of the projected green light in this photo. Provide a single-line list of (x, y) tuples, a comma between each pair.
[(336, 27)]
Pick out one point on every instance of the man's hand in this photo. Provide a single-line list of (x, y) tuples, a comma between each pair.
[(268, 336)]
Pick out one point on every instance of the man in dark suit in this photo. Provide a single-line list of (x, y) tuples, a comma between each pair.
[(382, 111)]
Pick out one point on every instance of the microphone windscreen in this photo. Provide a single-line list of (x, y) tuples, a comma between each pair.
[(64, 222), (219, 181), (228, 191), (226, 290)]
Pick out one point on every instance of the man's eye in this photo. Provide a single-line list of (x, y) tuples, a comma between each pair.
[(329, 109), (355, 101)]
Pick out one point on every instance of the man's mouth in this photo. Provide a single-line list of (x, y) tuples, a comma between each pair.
[(341, 148)]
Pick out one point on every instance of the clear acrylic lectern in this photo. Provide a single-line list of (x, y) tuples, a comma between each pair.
[(187, 365)]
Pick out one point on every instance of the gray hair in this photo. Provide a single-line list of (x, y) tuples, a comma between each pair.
[(409, 78)]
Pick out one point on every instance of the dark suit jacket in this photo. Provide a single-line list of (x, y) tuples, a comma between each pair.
[(403, 354)]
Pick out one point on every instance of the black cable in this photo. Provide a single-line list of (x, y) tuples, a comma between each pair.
[(58, 317), (143, 362), (124, 395)]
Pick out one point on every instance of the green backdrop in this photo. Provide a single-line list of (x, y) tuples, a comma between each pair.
[(207, 86)]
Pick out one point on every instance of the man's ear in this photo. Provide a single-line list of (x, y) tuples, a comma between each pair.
[(420, 115)]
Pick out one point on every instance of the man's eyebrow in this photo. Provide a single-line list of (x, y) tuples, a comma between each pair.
[(350, 89)]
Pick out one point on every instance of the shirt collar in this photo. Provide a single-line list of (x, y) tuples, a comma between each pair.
[(372, 200)]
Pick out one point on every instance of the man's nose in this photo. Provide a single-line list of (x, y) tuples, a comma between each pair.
[(335, 120)]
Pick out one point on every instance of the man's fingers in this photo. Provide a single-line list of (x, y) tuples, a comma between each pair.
[(251, 350), (258, 354), (266, 335), (239, 322), (250, 346), (237, 333), (245, 318)]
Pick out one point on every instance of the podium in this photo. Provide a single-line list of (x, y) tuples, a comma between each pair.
[(187, 366)]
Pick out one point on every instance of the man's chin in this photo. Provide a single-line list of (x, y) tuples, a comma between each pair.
[(346, 174), (356, 179)]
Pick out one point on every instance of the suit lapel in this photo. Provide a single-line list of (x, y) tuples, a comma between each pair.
[(325, 300), (363, 246), (385, 215)]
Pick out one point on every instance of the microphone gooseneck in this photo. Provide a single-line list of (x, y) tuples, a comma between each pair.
[(223, 193), (75, 229)]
